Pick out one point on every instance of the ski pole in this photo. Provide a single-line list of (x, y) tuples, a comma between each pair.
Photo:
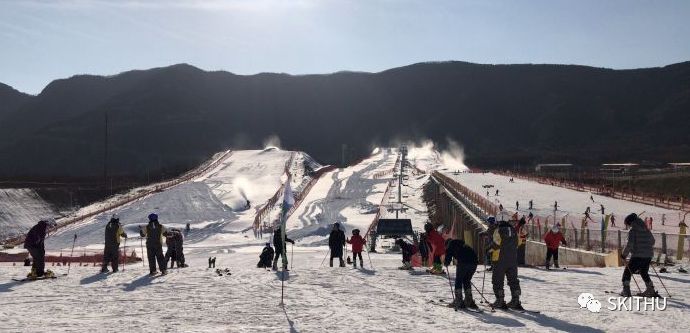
[(455, 303), (324, 257), (292, 254), (660, 280), (69, 266), (124, 257), (368, 256), (632, 276), (141, 243), (482, 295)]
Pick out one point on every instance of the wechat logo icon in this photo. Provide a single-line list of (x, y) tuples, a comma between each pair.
[(587, 300)]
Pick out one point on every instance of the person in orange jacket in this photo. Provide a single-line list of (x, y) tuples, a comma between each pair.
[(357, 242), (438, 246)]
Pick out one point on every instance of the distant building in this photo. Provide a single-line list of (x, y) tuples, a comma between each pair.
[(619, 167), (680, 166), (553, 167)]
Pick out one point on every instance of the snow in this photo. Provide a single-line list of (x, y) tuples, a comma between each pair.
[(318, 299), (20, 209), (571, 202)]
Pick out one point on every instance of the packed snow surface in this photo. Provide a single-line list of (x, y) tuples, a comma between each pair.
[(20, 209), (570, 202)]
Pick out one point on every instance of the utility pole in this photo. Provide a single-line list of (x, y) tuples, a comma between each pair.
[(342, 155), (105, 153)]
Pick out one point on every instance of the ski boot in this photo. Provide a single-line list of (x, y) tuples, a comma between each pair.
[(164, 272), (500, 302), (152, 273), (555, 264), (469, 301), (546, 266), (458, 302), (626, 289), (32, 275), (515, 303), (331, 262), (354, 263), (275, 265), (361, 263), (649, 291), (342, 263), (49, 274), (406, 266)]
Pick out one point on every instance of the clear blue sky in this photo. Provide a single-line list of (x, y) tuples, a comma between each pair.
[(45, 40)]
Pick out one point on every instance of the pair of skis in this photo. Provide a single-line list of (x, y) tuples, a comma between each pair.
[(490, 308)]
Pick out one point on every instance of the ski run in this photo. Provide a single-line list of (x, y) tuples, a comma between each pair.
[(220, 207)]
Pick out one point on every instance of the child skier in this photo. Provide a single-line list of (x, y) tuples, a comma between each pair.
[(438, 247), (357, 246), (111, 250), (553, 240), (266, 257), (640, 246), (424, 249), (35, 244), (408, 250), (465, 268)]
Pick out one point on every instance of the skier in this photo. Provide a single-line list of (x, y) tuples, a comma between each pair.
[(553, 240), (555, 205), (336, 242), (517, 205), (663, 219), (280, 250), (465, 268), (357, 246), (35, 244), (613, 220), (500, 207), (603, 210), (504, 256), (486, 238), (530, 204), (408, 250), (650, 223), (640, 246), (171, 252), (266, 257), (496, 192), (154, 233), (424, 249), (179, 246), (438, 247), (111, 251), (591, 197)]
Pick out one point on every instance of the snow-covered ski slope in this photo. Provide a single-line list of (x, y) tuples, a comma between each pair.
[(318, 299), (571, 202), (213, 204), (350, 196), (20, 209)]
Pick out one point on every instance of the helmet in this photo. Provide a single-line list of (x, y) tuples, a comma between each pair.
[(115, 217), (337, 225), (153, 217), (355, 231), (428, 227), (490, 220), (268, 244), (50, 222)]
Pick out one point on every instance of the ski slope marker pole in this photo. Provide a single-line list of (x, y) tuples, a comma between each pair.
[(124, 257), (69, 266)]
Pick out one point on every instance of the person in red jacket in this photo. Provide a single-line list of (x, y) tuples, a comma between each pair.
[(438, 247), (357, 246), (553, 240)]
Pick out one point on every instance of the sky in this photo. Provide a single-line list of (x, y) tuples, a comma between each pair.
[(41, 41)]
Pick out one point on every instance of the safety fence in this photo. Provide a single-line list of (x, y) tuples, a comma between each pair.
[(374, 222), (667, 247), (268, 206), (144, 192), (385, 173), (643, 198), (82, 257)]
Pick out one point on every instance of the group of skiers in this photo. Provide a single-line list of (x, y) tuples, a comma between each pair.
[(114, 233)]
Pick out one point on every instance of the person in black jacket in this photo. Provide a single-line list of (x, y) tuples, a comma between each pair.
[(154, 233), (266, 256), (111, 251), (466, 266), (336, 242), (408, 250), (35, 244), (504, 255), (280, 250)]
